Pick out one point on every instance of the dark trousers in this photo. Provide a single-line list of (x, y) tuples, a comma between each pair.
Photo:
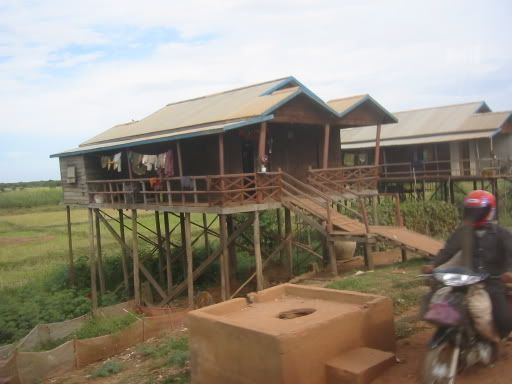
[(501, 309)]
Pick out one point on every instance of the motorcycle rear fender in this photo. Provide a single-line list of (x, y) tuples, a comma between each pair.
[(441, 336)]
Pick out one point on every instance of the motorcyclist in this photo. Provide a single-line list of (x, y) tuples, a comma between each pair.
[(490, 251)]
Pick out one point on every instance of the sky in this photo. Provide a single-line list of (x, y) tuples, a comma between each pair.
[(71, 69)]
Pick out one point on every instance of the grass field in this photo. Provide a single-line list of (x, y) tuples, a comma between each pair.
[(33, 242), (30, 198)]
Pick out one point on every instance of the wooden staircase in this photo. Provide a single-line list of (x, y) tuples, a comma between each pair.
[(319, 206)]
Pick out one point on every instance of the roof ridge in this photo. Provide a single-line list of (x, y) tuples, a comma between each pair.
[(348, 97), (227, 91), (491, 112), (481, 102)]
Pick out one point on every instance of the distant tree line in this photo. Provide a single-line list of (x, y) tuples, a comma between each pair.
[(29, 184)]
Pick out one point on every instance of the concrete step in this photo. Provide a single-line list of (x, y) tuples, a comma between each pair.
[(358, 366)]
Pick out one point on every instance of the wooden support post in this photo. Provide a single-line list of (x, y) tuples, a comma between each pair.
[(475, 187), (124, 256), (101, 272), (262, 144), (289, 237), (190, 266), (452, 193), (221, 154), (403, 250), (168, 253), (183, 242), (368, 257), (325, 155), (279, 233), (233, 260), (180, 160), (136, 261), (92, 262), (160, 248), (375, 211), (205, 234), (257, 252), (377, 146), (224, 262), (332, 257), (72, 280)]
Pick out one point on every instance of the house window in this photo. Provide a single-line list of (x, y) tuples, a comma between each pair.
[(71, 175)]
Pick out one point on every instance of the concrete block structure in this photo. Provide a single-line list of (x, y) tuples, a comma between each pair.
[(292, 334)]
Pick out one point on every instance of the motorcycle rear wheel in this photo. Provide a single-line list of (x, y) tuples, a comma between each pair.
[(436, 366)]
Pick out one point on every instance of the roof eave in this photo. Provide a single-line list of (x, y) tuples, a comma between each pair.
[(128, 144)]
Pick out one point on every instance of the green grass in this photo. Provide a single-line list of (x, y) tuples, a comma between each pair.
[(397, 281), (100, 326), (30, 197), (34, 264), (108, 368)]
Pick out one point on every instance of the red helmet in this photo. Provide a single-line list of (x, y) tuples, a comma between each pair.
[(479, 208)]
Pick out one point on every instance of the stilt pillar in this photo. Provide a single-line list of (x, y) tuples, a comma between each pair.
[(72, 280), (224, 258), (99, 253), (205, 234), (190, 266), (368, 257), (233, 259), (92, 261), (124, 256), (136, 261), (288, 247), (167, 244), (332, 257), (257, 252), (159, 243)]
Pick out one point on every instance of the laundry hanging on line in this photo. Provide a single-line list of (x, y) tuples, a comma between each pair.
[(112, 163), (162, 163)]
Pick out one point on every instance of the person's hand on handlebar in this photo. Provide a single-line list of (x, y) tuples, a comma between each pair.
[(507, 277), (427, 269)]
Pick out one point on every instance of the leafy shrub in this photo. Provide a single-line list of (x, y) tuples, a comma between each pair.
[(100, 326), (21, 309), (433, 218), (108, 368)]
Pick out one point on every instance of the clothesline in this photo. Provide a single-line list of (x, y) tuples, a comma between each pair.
[(140, 164)]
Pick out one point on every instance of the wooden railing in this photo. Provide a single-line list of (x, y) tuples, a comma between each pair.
[(484, 167), (213, 190), (344, 179)]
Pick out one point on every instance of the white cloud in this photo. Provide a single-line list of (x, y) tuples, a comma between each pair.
[(407, 54)]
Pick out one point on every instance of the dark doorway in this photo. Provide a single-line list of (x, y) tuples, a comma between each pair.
[(248, 156)]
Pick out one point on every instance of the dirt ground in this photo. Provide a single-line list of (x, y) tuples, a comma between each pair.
[(411, 352)]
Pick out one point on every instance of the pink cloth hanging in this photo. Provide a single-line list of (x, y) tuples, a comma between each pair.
[(169, 164)]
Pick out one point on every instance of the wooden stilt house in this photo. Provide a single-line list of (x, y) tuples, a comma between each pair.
[(273, 145)]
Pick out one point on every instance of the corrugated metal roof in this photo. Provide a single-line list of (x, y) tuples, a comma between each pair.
[(226, 106), (489, 120), (344, 106), (345, 103), (158, 137), (428, 125), (421, 140)]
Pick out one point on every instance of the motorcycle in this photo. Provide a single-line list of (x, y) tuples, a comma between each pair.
[(456, 344)]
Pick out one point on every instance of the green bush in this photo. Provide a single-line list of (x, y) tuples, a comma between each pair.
[(21, 309), (433, 218), (108, 368), (100, 326)]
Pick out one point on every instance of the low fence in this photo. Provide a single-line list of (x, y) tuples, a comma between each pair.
[(19, 364)]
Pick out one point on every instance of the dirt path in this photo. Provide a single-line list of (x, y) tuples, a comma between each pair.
[(411, 352)]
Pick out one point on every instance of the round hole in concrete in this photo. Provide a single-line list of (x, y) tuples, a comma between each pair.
[(294, 313)]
